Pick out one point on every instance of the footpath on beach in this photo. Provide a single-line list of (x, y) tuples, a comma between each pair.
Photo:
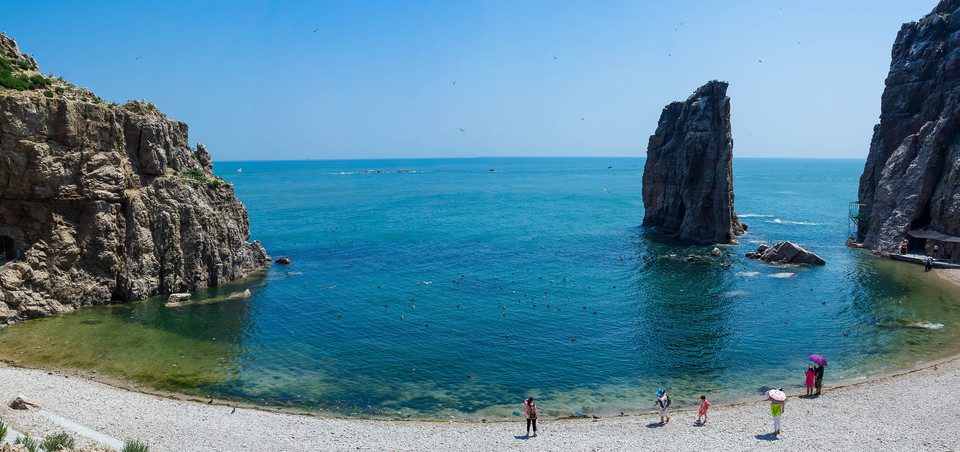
[(908, 410)]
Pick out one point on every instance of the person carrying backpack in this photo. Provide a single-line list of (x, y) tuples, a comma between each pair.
[(531, 415), (663, 401)]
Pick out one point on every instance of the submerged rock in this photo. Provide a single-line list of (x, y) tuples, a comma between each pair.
[(688, 176), (911, 179), (103, 202), (177, 298)]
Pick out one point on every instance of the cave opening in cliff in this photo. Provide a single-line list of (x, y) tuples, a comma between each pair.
[(919, 243), (8, 249)]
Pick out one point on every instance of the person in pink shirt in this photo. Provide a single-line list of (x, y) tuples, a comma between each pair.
[(810, 374), (702, 411), (531, 415)]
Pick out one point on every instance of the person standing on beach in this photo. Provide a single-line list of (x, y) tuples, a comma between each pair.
[(663, 401), (531, 415), (810, 376), (818, 378), (702, 411), (776, 410)]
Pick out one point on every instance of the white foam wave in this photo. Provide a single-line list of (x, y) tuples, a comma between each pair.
[(782, 275), (779, 221), (753, 215), (748, 274)]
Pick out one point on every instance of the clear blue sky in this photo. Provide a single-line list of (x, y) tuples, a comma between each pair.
[(398, 79)]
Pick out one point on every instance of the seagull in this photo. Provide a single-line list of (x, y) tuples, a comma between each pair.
[(454, 82), (462, 130), (554, 58), (139, 57), (604, 189), (761, 61), (315, 30)]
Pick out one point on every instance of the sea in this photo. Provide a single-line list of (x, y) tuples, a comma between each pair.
[(455, 288)]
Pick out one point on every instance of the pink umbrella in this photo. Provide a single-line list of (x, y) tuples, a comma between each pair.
[(776, 396), (818, 359)]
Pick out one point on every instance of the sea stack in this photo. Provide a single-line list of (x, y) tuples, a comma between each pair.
[(910, 187), (102, 202), (688, 177)]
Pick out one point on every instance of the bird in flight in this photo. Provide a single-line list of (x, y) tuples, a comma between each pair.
[(462, 130), (761, 61), (139, 57), (315, 30)]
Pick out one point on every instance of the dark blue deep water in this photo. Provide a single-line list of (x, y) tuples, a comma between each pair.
[(454, 290)]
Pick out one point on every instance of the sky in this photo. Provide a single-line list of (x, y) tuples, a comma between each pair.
[(364, 79)]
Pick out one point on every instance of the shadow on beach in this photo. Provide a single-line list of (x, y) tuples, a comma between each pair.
[(767, 437), (655, 425)]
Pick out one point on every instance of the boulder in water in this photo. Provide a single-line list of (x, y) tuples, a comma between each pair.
[(789, 253), (177, 298)]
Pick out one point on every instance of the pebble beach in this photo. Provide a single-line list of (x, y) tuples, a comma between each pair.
[(909, 409)]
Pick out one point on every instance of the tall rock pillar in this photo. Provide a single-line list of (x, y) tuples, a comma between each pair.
[(688, 177)]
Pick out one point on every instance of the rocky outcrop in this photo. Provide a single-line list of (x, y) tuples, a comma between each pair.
[(786, 253), (688, 176), (102, 202), (911, 180)]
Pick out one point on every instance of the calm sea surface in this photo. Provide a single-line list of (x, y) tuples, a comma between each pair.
[(454, 290)]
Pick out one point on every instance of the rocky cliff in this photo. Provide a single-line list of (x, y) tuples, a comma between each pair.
[(911, 181), (101, 202), (688, 177)]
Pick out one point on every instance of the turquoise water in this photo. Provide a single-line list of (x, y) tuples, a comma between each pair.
[(453, 290)]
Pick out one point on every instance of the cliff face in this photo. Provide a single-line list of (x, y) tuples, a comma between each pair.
[(104, 203), (911, 180), (688, 176)]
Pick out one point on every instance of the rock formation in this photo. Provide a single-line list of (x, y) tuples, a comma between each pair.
[(688, 177), (911, 181), (786, 253), (101, 202)]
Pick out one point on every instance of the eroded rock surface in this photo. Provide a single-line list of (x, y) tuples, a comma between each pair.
[(688, 176), (786, 253), (105, 203), (912, 176)]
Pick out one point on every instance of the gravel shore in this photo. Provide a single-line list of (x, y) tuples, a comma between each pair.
[(912, 410)]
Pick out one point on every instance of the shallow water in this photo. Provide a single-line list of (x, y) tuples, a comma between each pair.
[(456, 291)]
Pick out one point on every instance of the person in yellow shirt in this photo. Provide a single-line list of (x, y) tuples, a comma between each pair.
[(776, 410)]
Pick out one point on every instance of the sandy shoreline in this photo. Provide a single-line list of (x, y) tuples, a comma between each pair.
[(912, 409)]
